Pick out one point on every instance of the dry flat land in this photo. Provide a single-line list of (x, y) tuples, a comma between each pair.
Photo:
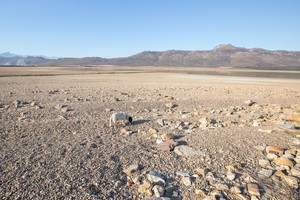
[(56, 143)]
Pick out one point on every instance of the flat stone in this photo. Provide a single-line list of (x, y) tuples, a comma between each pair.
[(253, 189), (167, 145), (158, 190), (283, 162), (184, 150), (287, 126), (156, 178)]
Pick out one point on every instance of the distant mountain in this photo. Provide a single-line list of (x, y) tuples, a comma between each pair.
[(221, 56)]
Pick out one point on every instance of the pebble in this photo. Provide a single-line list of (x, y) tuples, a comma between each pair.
[(157, 198), (145, 186), (137, 180), (294, 117), (249, 102), (167, 136), (170, 188), (201, 171), (221, 186)]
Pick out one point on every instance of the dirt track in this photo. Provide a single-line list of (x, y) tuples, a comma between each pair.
[(61, 147)]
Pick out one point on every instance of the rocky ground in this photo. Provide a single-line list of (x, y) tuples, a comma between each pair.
[(193, 137)]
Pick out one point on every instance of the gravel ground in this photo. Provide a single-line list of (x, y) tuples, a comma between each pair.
[(56, 142)]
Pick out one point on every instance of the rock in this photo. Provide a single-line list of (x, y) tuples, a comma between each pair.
[(253, 189), (295, 172), (16, 103), (265, 173), (156, 178), (118, 184), (199, 192), (32, 104), (249, 102), (184, 150), (186, 180), (145, 186), (158, 190), (271, 156), (263, 163), (295, 117), (235, 190), (157, 198), (167, 145), (167, 136), (170, 188), (58, 106), (152, 131), (131, 169), (274, 150), (283, 162), (161, 122), (182, 174), (241, 197), (292, 181), (231, 176), (64, 109), (170, 105), (108, 110), (287, 126), (221, 186), (204, 121), (289, 156), (201, 171), (137, 180)]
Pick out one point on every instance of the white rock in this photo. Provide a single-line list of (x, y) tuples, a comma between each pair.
[(231, 176)]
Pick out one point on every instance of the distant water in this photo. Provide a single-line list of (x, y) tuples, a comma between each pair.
[(285, 75)]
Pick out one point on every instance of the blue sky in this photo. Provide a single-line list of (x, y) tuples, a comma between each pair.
[(117, 28)]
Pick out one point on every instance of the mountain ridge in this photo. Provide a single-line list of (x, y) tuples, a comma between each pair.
[(224, 55)]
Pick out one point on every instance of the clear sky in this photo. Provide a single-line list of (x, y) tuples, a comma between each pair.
[(117, 28)]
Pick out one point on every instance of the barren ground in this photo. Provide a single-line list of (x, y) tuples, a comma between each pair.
[(60, 146)]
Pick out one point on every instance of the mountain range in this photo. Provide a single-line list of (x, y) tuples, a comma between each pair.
[(221, 56)]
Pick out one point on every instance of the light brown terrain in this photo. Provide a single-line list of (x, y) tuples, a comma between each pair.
[(55, 142)]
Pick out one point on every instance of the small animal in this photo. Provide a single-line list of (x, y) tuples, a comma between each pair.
[(120, 116)]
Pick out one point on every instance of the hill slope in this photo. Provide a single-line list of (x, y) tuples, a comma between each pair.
[(221, 56)]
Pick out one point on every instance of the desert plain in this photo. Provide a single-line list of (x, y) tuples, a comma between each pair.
[(193, 136)]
